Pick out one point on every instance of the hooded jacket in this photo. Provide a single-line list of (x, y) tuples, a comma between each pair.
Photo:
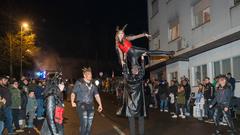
[(16, 98), (223, 96)]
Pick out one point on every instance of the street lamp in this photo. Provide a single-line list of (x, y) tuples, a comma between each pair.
[(24, 25)]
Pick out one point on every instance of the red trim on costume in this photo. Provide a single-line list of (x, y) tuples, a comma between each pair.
[(59, 114), (125, 46)]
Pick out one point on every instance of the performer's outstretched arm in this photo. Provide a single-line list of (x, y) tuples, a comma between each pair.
[(130, 38)]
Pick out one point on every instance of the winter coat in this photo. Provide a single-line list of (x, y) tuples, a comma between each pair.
[(39, 92), (4, 91), (173, 89), (223, 96), (181, 98), (134, 93), (209, 91), (187, 89), (16, 98), (232, 81), (32, 104), (50, 126), (163, 91), (24, 100)]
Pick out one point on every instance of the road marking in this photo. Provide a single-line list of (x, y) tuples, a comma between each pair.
[(120, 132), (37, 130)]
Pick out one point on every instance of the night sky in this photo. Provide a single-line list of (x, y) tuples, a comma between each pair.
[(78, 28)]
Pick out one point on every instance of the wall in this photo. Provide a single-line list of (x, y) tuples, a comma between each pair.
[(227, 51), (224, 21), (181, 67)]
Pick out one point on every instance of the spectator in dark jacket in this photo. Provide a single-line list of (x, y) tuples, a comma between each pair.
[(39, 97), (187, 90), (209, 93), (173, 89), (24, 100), (32, 85), (163, 96), (232, 81), (222, 104), (4, 91), (147, 91)]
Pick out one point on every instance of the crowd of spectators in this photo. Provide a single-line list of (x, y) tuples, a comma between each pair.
[(21, 101)]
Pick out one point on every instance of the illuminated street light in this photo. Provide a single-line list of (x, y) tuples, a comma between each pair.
[(25, 26)]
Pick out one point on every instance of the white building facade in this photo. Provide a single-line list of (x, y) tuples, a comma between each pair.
[(204, 33)]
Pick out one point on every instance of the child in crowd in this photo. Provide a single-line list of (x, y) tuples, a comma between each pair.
[(199, 103), (31, 108)]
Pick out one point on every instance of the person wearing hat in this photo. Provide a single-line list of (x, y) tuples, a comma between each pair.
[(221, 104), (4, 91), (127, 51), (82, 97)]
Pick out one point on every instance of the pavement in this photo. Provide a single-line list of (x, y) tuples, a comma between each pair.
[(107, 123)]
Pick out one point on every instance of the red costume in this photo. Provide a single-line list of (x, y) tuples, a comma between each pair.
[(125, 46)]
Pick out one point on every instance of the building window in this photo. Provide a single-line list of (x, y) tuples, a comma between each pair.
[(197, 73), (217, 69), (231, 65), (204, 71), (174, 31), (226, 66), (156, 44), (236, 67), (200, 72), (206, 15), (174, 75), (201, 13), (236, 2), (156, 40), (154, 7), (159, 43)]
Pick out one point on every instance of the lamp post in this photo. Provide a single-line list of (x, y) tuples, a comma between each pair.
[(23, 25)]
